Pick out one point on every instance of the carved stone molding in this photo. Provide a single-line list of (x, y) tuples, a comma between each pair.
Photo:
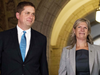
[(10, 5), (2, 16)]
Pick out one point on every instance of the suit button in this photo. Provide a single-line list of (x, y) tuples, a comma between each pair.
[(23, 65), (22, 74)]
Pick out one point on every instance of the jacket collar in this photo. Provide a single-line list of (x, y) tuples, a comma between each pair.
[(73, 57)]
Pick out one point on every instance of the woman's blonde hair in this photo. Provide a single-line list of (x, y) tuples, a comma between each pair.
[(73, 36)]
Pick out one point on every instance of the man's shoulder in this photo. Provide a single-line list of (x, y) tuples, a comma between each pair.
[(7, 31), (38, 36), (37, 33)]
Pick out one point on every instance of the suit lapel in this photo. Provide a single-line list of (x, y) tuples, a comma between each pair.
[(15, 43), (91, 57), (72, 58), (32, 45)]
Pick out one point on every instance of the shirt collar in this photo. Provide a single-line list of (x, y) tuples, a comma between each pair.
[(20, 30)]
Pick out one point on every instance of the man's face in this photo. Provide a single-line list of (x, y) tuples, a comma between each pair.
[(26, 17)]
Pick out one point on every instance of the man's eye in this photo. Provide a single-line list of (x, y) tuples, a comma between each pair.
[(27, 12), (33, 14)]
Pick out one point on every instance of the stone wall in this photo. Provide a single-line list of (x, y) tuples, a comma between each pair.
[(2, 16)]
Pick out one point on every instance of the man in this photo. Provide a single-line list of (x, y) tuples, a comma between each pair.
[(22, 49)]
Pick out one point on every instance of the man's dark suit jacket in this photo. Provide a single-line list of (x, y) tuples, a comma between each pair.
[(11, 62)]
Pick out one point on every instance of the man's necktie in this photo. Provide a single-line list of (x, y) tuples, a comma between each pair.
[(23, 45)]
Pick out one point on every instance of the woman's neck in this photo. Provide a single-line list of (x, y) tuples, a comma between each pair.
[(81, 45)]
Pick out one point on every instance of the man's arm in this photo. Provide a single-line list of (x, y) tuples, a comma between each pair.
[(43, 63), (1, 41)]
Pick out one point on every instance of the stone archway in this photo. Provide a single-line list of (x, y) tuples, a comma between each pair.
[(46, 14)]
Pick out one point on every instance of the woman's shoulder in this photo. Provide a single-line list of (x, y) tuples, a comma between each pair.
[(96, 47), (65, 49)]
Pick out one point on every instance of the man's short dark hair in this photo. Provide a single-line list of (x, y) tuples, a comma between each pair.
[(21, 5)]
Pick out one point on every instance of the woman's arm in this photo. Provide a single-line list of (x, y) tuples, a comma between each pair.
[(62, 67)]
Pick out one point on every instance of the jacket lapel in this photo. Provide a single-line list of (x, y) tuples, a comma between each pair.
[(91, 57), (15, 43), (32, 45), (72, 58)]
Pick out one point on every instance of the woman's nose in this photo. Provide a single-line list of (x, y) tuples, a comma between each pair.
[(82, 29)]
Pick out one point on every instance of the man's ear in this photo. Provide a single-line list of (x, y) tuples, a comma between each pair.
[(17, 15)]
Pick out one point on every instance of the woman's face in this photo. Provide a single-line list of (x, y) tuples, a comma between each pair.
[(81, 31)]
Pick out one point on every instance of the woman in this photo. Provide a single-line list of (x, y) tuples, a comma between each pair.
[(81, 57)]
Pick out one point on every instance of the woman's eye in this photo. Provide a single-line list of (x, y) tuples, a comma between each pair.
[(85, 27)]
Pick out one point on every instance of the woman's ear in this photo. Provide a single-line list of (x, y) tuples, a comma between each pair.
[(17, 15), (73, 30)]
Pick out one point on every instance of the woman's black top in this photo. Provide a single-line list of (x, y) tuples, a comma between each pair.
[(82, 62)]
